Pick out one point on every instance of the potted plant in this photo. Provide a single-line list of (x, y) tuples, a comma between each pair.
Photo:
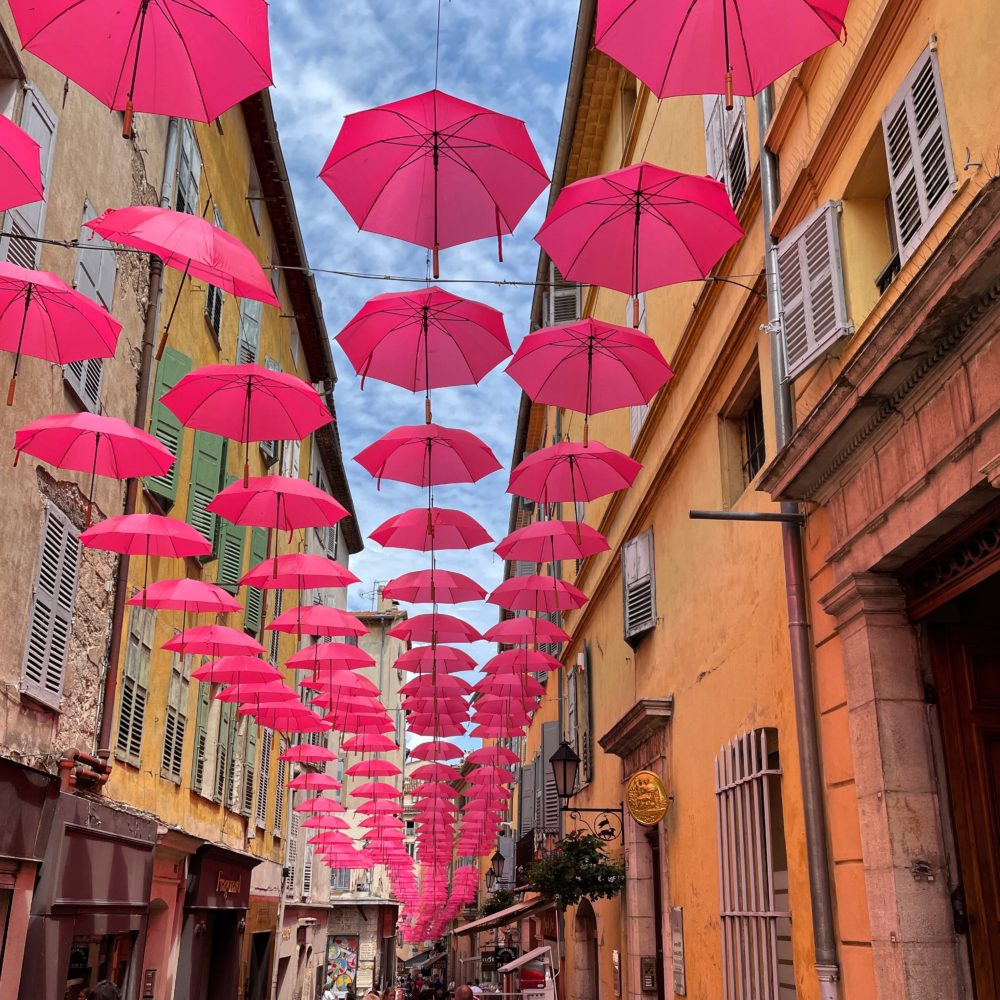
[(577, 868)]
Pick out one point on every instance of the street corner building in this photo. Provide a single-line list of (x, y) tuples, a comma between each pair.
[(148, 836), (790, 647)]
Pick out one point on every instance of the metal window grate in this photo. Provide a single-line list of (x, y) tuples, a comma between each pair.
[(752, 439), (756, 959)]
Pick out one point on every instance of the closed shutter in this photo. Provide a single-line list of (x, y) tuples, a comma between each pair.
[(814, 306), (524, 568), (207, 467), (275, 642), (51, 618), (85, 379), (562, 299), (526, 805), (39, 121), (188, 172), (307, 871), (175, 719), (248, 338), (264, 775), (232, 541), (163, 425), (918, 151), (636, 414), (638, 586), (550, 795), (224, 750), (249, 766), (269, 449), (584, 712), (292, 854), (255, 596), (200, 752), (279, 790), (135, 685), (572, 734)]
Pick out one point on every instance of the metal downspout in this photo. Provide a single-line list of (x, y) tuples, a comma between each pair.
[(103, 742), (800, 643)]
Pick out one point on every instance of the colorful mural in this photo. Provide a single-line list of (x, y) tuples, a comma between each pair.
[(341, 964)]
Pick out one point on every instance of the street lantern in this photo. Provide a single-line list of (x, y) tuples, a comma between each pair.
[(565, 763), (497, 863)]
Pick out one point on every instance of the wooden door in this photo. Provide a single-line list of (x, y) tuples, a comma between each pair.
[(966, 664)]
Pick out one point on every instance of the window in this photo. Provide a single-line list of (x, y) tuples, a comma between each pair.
[(291, 452), (39, 121), (585, 739), (255, 196), (295, 343), (636, 414), (741, 435), (526, 801), (255, 597), (51, 618), (164, 426), (207, 468), (752, 439), (269, 449), (175, 719), (214, 297), (753, 870), (340, 878), (727, 150), (275, 270), (248, 337), (264, 775), (188, 172), (918, 148), (638, 587), (279, 790), (814, 305), (135, 685), (561, 302), (200, 752)]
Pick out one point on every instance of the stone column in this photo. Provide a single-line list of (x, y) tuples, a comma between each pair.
[(913, 939), (640, 923)]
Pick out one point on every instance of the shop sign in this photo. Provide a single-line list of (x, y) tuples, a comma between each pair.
[(504, 956), (219, 882), (646, 798), (487, 960), (677, 950)]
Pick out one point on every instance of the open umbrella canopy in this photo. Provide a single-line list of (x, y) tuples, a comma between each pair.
[(185, 594), (428, 455), (188, 58), (326, 655), (435, 772), (435, 171), (20, 167), (715, 46), (438, 528), (428, 586), (515, 631), (350, 683), (493, 755), (259, 692), (537, 593), (215, 641), (572, 472), (435, 628), (310, 779), (325, 821), (307, 753), (299, 571), (317, 619), (552, 541), (377, 790), (319, 804), (436, 750), (236, 670), (522, 661), (279, 502), (146, 534), (428, 659), (445, 683), (425, 339), (372, 769), (369, 743)]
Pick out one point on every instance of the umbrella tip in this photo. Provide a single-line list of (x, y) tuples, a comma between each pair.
[(127, 120), (10, 390)]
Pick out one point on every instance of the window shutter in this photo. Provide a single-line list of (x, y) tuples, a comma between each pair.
[(563, 299), (163, 425), (232, 541), (248, 338), (224, 750), (274, 646), (175, 719), (249, 766), (264, 778), (51, 618), (307, 870), (291, 452), (135, 685), (918, 151), (292, 853), (269, 449), (814, 305), (636, 414), (583, 711), (96, 264), (207, 467), (526, 806), (550, 796), (188, 172), (572, 733), (255, 597), (638, 585), (39, 121), (200, 738), (279, 790), (715, 160), (737, 149)]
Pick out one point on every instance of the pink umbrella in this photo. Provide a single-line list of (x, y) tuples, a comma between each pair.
[(372, 769), (324, 821), (299, 571), (521, 660), (427, 684), (317, 619), (187, 596), (333, 654), (427, 659), (247, 403), (320, 805), (638, 228), (490, 774), (429, 586), (299, 720), (448, 529), (590, 367), (396, 336), (552, 541), (511, 685), (537, 593), (349, 682), (715, 46), (20, 167), (493, 755), (430, 725), (307, 753), (89, 442), (513, 631), (369, 743), (41, 316), (435, 772), (260, 692), (167, 57), (435, 628), (279, 502), (375, 807), (572, 472), (428, 455), (309, 779), (214, 641), (377, 790), (436, 750), (236, 670), (435, 171)]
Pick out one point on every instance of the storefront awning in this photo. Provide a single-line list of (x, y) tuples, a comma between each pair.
[(528, 956), (502, 917)]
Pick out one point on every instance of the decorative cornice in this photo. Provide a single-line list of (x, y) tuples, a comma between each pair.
[(646, 717), (864, 593)]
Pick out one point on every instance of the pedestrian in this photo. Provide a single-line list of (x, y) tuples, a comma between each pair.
[(477, 990), (104, 990)]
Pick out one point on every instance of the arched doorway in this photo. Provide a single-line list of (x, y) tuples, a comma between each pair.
[(586, 980)]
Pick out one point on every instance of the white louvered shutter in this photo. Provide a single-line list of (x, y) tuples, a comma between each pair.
[(39, 121), (264, 775), (214, 297), (562, 299), (814, 305), (572, 724), (51, 618), (715, 159), (279, 791), (307, 871), (638, 586), (526, 805), (636, 414), (583, 711), (727, 152), (248, 342), (188, 172), (918, 151)]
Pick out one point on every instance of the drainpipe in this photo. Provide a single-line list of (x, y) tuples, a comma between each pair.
[(814, 807), (103, 743)]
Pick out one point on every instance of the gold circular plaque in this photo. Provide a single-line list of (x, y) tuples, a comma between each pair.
[(646, 798)]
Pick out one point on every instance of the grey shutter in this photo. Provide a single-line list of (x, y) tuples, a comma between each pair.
[(636, 414), (550, 796), (918, 151), (583, 711), (269, 449), (562, 299), (715, 158), (526, 806), (135, 685), (814, 305), (737, 149), (39, 121), (85, 378), (188, 172), (248, 338), (249, 764), (50, 620), (307, 869), (638, 585)]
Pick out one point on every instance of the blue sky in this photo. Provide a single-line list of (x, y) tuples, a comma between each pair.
[(334, 57)]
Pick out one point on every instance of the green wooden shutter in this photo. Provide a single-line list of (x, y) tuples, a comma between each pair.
[(232, 542), (207, 467), (135, 685), (163, 425), (249, 765), (175, 719), (200, 736), (223, 752), (255, 597)]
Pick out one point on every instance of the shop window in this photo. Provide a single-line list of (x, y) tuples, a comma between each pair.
[(175, 718), (51, 617), (188, 172), (164, 426), (753, 870), (264, 775), (727, 148), (135, 685), (638, 587)]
